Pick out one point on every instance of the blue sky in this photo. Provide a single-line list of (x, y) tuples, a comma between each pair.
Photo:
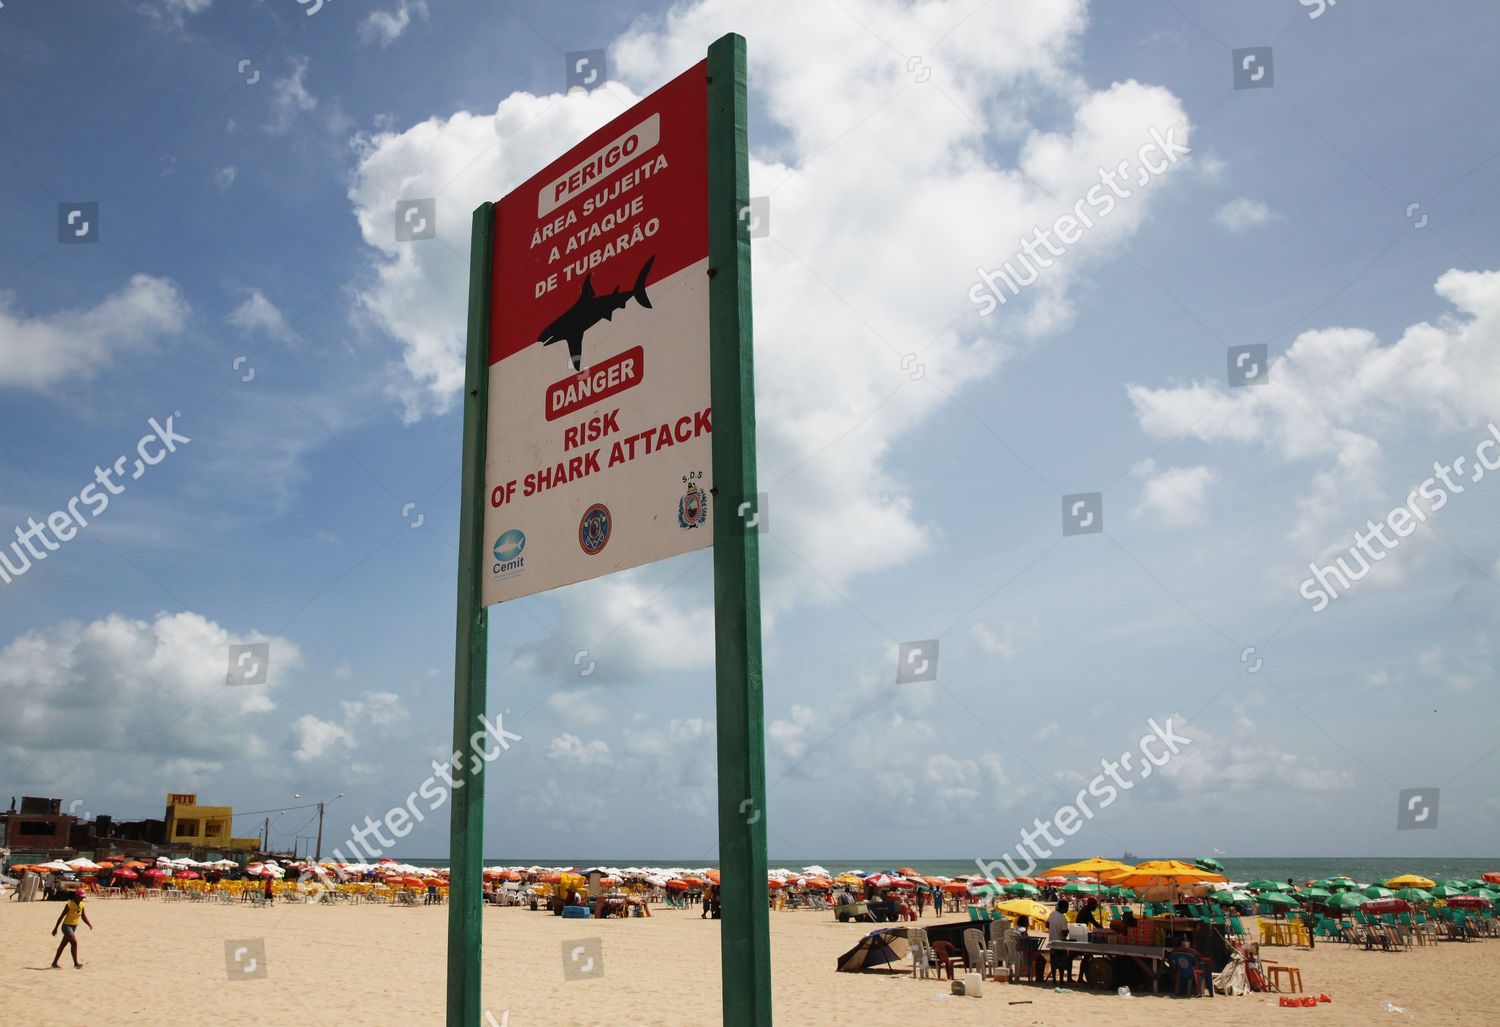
[(248, 214)]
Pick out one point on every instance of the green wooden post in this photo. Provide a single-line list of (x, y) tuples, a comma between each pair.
[(746, 927), (470, 667)]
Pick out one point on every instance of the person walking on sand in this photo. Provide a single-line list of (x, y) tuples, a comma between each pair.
[(68, 921)]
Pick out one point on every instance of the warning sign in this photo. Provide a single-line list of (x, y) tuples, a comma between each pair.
[(599, 434)]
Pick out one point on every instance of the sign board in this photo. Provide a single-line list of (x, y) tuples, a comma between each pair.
[(609, 327), (598, 453)]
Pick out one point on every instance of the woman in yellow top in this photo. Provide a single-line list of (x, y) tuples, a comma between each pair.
[(68, 921)]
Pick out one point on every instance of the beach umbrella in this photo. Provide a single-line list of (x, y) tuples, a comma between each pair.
[(957, 887), (1346, 900), (1455, 885), (988, 888), (1493, 877), (712, 875), (127, 874), (1229, 898), (1377, 892), (878, 949), (155, 872), (1445, 891), (1468, 902), (907, 872), (1414, 894), (774, 883), (1279, 900), (1409, 881), (1315, 893), (187, 875), (1079, 888), (1267, 886), (1093, 867), (1386, 906), (1035, 911), (1208, 863), (1022, 888)]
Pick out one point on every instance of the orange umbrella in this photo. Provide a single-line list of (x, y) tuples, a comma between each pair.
[(552, 878), (957, 887), (774, 883), (906, 872), (712, 875), (678, 884)]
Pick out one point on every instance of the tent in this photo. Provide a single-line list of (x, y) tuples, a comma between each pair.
[(877, 950)]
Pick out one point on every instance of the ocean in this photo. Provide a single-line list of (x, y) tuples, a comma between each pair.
[(1272, 868)]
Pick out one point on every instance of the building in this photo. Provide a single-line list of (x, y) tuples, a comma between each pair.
[(41, 831), (202, 827), (39, 826)]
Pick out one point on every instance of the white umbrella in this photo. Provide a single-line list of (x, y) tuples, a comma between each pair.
[(82, 863)]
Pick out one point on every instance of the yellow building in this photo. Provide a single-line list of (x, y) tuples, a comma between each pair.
[(208, 827)]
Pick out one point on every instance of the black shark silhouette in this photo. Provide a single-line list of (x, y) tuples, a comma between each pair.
[(590, 309)]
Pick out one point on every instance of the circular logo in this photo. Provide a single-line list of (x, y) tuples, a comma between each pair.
[(509, 545), (594, 529)]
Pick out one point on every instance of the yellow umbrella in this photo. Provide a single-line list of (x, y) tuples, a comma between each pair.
[(1160, 871), (1027, 908), (1409, 881), (1092, 867), (1171, 872)]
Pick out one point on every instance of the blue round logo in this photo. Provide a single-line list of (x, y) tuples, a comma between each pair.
[(509, 545), (594, 529)]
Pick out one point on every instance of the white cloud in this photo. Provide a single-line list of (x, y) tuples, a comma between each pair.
[(125, 686), (224, 177), (175, 11), (1009, 639), (289, 99), (1337, 394), (572, 749), (836, 306), (314, 739), (39, 352), (374, 715), (1242, 214), (258, 314), (385, 27), (1249, 764), (1176, 497)]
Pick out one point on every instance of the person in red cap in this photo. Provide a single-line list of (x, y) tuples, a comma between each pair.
[(68, 921)]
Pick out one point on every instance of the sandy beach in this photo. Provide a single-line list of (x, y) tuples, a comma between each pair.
[(154, 963)]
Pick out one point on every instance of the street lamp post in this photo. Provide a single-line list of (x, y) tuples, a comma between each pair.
[(318, 857)]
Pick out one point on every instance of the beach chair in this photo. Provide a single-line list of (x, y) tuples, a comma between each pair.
[(921, 953), (943, 957), (1188, 973), (976, 957), (973, 912)]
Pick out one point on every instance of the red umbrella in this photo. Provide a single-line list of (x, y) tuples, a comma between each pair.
[(1465, 901), (1493, 877), (127, 874), (1386, 906), (187, 875), (153, 872)]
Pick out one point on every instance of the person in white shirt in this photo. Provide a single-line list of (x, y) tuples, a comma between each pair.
[(1059, 963)]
